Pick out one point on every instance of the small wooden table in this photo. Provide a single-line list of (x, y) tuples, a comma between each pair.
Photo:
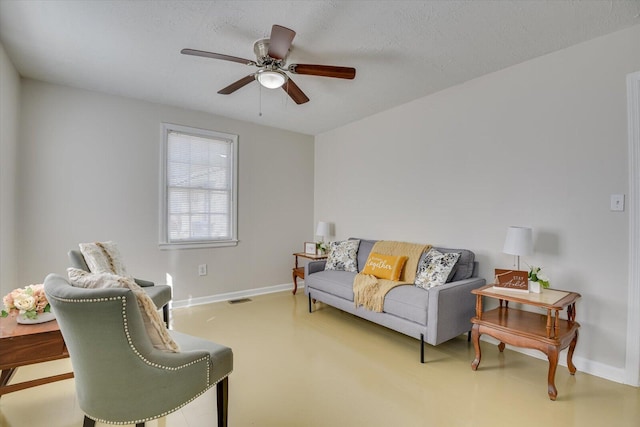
[(547, 333), (25, 345), (299, 271)]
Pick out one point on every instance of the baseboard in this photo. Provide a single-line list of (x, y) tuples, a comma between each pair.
[(582, 365), (234, 295)]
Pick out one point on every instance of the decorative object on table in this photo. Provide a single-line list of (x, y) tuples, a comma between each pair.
[(321, 248), (310, 248), (537, 280), (30, 303), (323, 230), (511, 280), (519, 241)]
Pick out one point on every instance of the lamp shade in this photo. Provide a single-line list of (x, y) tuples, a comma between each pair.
[(519, 241), (323, 229)]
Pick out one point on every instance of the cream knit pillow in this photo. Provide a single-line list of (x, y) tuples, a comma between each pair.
[(103, 257)]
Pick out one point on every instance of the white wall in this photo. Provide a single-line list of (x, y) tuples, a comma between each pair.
[(9, 108), (542, 144), (89, 171)]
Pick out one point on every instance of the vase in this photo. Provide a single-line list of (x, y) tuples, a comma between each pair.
[(534, 287), (40, 318)]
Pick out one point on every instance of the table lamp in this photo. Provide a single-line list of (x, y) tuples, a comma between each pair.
[(323, 230), (519, 241)]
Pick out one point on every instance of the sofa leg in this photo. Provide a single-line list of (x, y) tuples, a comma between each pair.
[(88, 422), (310, 311), (421, 348), (469, 336)]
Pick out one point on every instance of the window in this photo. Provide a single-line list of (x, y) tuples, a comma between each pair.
[(199, 197)]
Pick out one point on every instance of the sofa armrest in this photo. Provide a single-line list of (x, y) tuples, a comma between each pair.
[(451, 307), (143, 283), (314, 267)]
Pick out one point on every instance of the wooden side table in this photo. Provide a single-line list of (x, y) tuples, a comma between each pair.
[(299, 271), (28, 344), (548, 333)]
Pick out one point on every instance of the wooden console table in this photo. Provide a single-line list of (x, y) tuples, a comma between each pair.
[(548, 333), (25, 345), (299, 271)]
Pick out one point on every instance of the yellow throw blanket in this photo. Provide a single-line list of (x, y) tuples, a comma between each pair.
[(369, 291)]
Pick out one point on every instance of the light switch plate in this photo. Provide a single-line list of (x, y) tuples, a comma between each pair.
[(617, 202)]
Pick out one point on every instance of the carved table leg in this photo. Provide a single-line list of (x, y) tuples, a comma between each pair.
[(572, 346), (501, 346), (295, 282), (475, 337), (552, 354)]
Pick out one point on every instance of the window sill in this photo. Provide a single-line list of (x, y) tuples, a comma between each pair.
[(197, 245)]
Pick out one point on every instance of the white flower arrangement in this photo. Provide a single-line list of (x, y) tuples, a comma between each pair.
[(536, 276), (322, 247)]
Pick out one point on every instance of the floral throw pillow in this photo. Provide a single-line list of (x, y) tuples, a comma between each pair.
[(343, 256), (434, 268)]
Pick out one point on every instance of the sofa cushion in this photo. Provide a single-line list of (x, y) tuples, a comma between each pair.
[(363, 251), (463, 268), (434, 268), (343, 256), (407, 302), (384, 266), (338, 283)]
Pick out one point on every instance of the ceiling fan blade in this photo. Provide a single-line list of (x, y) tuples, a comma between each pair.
[(295, 92), (323, 70), (280, 41), (217, 56), (237, 85)]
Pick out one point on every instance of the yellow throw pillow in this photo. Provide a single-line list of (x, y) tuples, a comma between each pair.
[(384, 266)]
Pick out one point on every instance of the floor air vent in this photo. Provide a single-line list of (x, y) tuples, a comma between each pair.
[(239, 300)]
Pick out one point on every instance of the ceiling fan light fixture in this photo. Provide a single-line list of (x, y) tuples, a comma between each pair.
[(271, 79)]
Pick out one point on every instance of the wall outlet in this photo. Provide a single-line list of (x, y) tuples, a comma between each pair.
[(202, 269), (617, 202)]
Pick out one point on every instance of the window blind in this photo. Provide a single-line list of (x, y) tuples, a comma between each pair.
[(199, 187)]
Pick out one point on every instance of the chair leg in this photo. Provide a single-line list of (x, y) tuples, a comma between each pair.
[(223, 401), (165, 314), (88, 422), (140, 425), (421, 348)]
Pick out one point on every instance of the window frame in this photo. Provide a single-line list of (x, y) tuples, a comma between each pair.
[(165, 243)]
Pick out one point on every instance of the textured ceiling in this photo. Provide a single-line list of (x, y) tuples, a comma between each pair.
[(402, 50)]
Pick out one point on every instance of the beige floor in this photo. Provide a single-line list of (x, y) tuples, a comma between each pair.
[(328, 368)]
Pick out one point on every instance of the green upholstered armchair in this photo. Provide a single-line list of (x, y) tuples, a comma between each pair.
[(120, 377), (160, 294)]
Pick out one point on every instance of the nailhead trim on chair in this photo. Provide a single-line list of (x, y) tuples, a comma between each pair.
[(145, 360)]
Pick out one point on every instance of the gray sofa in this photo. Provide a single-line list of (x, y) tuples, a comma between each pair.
[(432, 316)]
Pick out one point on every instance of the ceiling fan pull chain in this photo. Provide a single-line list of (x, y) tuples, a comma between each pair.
[(260, 100)]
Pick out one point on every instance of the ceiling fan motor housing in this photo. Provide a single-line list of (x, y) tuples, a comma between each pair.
[(261, 49)]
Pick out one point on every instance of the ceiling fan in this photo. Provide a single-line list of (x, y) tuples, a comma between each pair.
[(271, 59)]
